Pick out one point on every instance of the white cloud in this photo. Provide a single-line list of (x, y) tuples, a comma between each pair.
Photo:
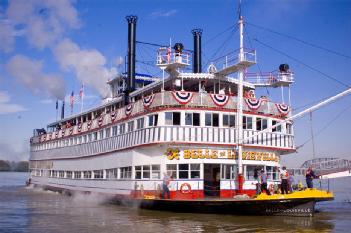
[(29, 73), (88, 65), (6, 107), (43, 22), (163, 13)]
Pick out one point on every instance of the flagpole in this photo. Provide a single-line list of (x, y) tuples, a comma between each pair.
[(56, 109), (81, 93)]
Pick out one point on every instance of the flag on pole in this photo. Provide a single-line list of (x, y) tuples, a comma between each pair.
[(81, 95), (71, 100), (81, 92)]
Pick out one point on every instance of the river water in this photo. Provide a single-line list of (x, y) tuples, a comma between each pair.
[(33, 210)]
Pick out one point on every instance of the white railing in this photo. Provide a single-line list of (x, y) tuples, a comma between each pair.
[(166, 57), (162, 100), (165, 134)]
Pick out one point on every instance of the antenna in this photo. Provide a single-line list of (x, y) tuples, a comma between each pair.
[(239, 9)]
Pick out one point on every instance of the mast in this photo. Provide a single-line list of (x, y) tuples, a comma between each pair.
[(240, 106)]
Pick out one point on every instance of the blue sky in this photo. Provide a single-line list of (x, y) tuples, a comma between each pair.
[(49, 48)]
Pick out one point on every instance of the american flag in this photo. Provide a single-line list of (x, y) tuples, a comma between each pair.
[(71, 99), (81, 92)]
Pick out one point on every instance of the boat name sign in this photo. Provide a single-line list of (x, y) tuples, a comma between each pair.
[(176, 154)]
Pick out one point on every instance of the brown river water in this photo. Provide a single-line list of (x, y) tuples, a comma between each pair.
[(33, 210)]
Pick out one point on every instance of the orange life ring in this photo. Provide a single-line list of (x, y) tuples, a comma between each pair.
[(187, 190)]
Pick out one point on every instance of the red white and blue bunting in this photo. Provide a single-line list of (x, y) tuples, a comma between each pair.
[(71, 131), (283, 109), (129, 109), (100, 120), (182, 97), (79, 127), (147, 101), (219, 99), (253, 103), (89, 124), (113, 116)]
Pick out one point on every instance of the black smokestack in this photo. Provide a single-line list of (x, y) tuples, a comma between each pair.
[(197, 50), (63, 110), (132, 20)]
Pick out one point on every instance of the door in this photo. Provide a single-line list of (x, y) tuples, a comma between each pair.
[(212, 175)]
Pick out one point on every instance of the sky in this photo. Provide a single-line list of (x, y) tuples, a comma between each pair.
[(50, 48)]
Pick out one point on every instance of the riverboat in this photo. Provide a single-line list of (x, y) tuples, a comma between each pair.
[(207, 129)]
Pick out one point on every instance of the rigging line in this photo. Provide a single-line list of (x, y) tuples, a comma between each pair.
[(258, 65), (324, 127), (302, 63), (159, 45), (301, 41), (224, 44), (219, 34), (142, 57)]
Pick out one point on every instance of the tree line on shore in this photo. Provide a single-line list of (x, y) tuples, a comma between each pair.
[(21, 166)]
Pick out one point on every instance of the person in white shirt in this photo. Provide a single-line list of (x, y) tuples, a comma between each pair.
[(284, 176)]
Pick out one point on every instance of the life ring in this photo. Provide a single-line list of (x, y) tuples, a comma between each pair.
[(187, 190), (271, 188)]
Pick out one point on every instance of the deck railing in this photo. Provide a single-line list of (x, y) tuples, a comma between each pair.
[(164, 100), (162, 134)]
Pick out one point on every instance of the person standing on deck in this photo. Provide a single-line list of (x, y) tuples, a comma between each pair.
[(309, 177), (166, 180), (284, 176), (264, 182)]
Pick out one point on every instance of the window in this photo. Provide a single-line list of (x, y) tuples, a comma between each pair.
[(101, 134), (137, 172), (114, 130), (229, 171), (130, 126), (247, 122), (69, 174), (87, 174), (146, 172), (261, 123), (172, 170), (77, 175), (107, 132), (288, 128), (153, 120), (126, 172), (183, 171), (228, 120), (122, 128), (278, 128), (95, 136), (194, 170), (61, 174), (89, 137), (252, 172), (172, 118), (98, 174), (140, 123), (192, 119), (211, 119), (155, 172), (111, 173)]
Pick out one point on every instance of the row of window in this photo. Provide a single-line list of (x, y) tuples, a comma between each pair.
[(144, 172), (171, 118), (153, 172), (101, 134)]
